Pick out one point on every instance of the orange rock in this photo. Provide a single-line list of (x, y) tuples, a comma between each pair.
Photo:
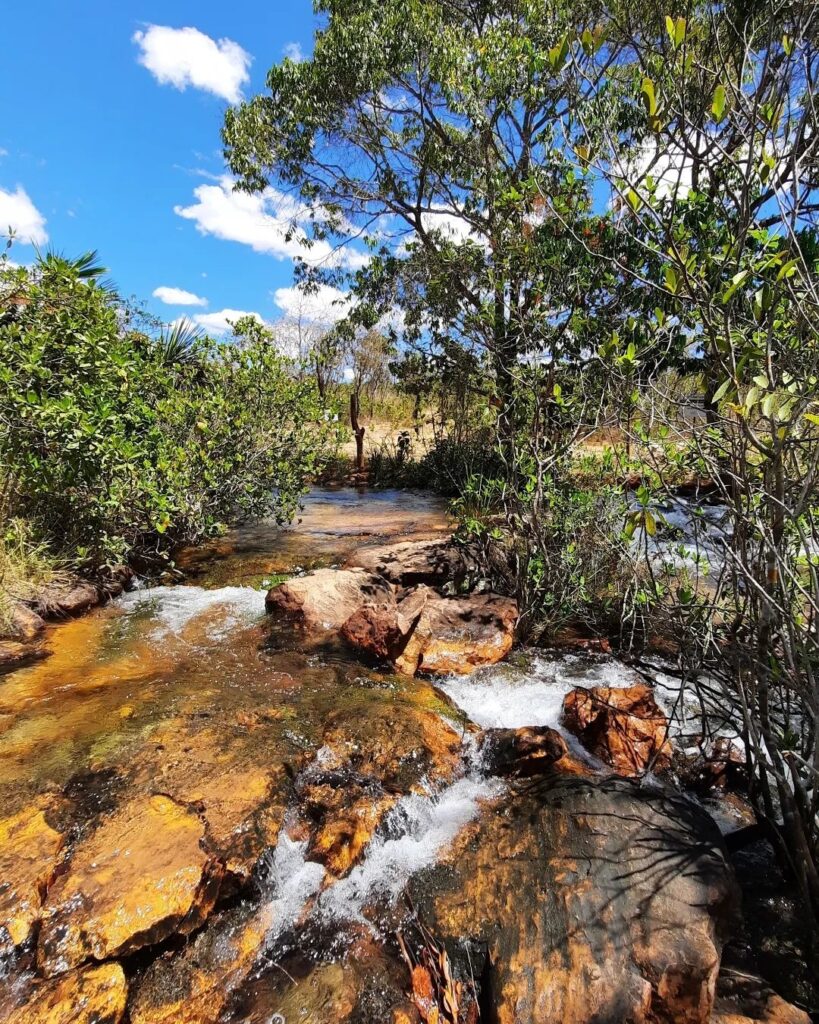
[(323, 600), (454, 634), (625, 728), (14, 653), (346, 817), (194, 985), (95, 995), (527, 751), (410, 562), (30, 850), (140, 877)]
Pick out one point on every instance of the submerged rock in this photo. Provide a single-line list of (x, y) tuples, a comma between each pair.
[(14, 653), (95, 995), (323, 600), (625, 728), (30, 851), (594, 901), (139, 878)]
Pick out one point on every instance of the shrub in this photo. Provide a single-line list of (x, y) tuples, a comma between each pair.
[(115, 441)]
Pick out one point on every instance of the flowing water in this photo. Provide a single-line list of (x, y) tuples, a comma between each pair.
[(181, 690)]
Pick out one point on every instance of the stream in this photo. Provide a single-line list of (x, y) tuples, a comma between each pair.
[(176, 707)]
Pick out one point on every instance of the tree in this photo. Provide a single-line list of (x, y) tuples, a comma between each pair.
[(432, 125)]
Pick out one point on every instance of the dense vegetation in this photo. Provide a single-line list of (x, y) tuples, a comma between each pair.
[(118, 442), (602, 219)]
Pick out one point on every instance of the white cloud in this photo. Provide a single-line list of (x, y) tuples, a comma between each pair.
[(21, 215), (221, 322), (294, 52), (177, 297), (3, 152), (268, 223), (186, 56), (324, 307)]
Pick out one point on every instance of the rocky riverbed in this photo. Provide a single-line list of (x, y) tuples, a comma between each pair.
[(312, 784)]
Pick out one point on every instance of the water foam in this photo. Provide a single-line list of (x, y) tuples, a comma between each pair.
[(427, 824), (293, 880), (174, 608), (512, 697)]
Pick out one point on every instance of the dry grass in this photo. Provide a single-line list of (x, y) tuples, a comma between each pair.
[(26, 570)]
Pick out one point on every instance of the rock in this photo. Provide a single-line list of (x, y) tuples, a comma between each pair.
[(625, 728), (195, 984), (531, 750), (322, 601), (30, 851), (745, 999), (409, 563), (454, 634), (373, 632), (26, 624), (95, 995), (345, 813), (585, 901), (13, 654), (139, 878), (64, 601)]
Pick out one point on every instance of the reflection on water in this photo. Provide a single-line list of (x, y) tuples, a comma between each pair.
[(173, 657)]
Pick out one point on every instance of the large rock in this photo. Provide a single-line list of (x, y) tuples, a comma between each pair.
[(531, 750), (14, 653), (411, 562), (625, 728), (142, 876), (64, 600), (323, 600), (447, 635), (594, 902), (26, 624), (30, 851), (95, 995)]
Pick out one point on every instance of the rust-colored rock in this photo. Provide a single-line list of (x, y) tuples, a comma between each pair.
[(322, 601), (95, 995), (625, 728), (454, 634), (65, 600), (528, 751), (26, 624), (195, 984), (14, 653), (374, 633), (345, 813), (409, 563), (595, 900), (30, 850), (141, 876), (744, 999)]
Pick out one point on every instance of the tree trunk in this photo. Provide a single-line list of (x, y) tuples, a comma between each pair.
[(358, 433)]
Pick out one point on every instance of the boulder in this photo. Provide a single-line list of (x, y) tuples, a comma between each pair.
[(585, 901), (64, 600), (26, 624), (745, 999), (411, 562), (344, 812), (142, 876), (30, 852), (625, 727), (323, 600), (13, 653), (95, 995), (530, 750), (447, 635)]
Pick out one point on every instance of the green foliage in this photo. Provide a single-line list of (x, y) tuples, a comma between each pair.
[(26, 568), (115, 441)]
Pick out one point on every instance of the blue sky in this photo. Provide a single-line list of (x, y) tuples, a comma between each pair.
[(101, 148)]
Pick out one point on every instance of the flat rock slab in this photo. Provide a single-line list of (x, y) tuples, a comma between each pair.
[(411, 562), (30, 851), (142, 876), (592, 901), (323, 600), (95, 995)]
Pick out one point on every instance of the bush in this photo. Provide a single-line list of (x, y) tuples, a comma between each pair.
[(115, 441)]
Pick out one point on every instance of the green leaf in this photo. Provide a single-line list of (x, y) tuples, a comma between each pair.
[(557, 54), (736, 282), (718, 103), (811, 417), (722, 390), (671, 281), (787, 45)]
